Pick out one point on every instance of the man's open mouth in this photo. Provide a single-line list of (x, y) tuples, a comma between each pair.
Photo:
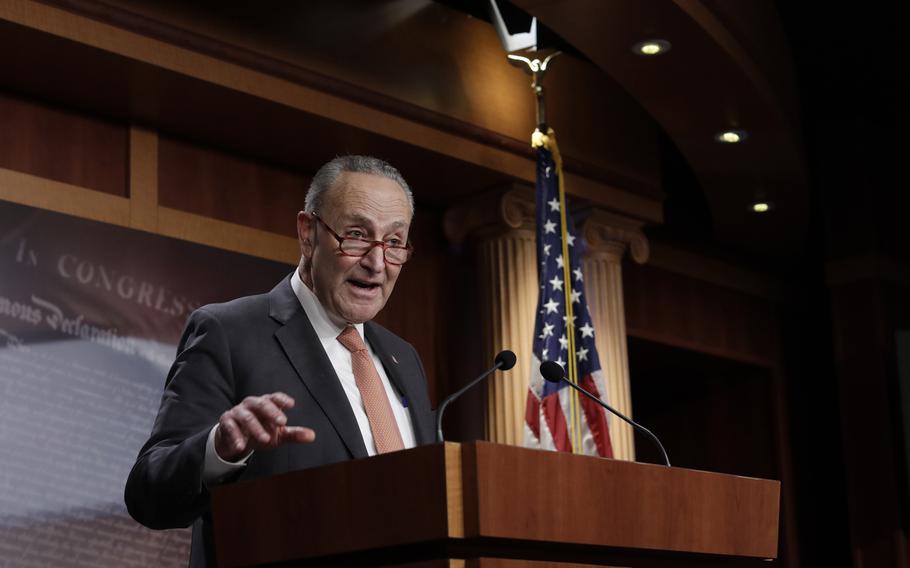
[(363, 284)]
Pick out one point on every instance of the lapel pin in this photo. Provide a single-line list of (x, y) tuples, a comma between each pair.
[(394, 359)]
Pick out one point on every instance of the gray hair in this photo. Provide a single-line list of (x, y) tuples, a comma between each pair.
[(328, 174)]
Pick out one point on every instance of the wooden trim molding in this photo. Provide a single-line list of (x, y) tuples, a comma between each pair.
[(64, 198), (673, 340), (228, 236), (714, 271), (143, 172)]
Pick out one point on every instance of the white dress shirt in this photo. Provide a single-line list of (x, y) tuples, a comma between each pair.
[(327, 330)]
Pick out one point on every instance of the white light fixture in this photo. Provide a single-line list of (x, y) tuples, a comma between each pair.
[(731, 136), (651, 47), (761, 207)]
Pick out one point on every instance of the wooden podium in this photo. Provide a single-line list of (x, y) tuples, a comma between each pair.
[(486, 505)]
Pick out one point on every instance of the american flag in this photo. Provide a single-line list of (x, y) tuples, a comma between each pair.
[(556, 417)]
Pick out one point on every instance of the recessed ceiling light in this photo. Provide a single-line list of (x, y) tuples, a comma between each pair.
[(651, 47), (731, 136), (761, 207)]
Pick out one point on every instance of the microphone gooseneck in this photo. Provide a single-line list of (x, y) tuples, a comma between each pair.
[(504, 361), (554, 373)]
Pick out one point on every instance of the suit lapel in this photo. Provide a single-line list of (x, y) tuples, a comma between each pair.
[(305, 352), (401, 371)]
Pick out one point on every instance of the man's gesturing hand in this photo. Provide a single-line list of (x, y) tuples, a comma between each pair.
[(258, 422)]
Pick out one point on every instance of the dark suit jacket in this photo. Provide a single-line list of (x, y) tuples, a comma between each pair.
[(247, 347)]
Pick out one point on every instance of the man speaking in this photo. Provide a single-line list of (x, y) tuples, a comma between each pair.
[(298, 377)]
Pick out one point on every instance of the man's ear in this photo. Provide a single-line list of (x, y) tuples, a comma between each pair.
[(305, 236)]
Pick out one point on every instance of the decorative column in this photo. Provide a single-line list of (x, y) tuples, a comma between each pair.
[(608, 237), (501, 226)]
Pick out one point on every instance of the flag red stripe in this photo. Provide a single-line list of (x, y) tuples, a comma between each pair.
[(556, 421), (596, 418), (532, 414)]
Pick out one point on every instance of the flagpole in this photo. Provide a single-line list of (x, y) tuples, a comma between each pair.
[(537, 69), (575, 402), (544, 136)]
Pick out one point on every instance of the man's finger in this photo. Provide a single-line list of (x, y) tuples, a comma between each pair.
[(282, 400), (250, 424), (297, 434), (269, 415)]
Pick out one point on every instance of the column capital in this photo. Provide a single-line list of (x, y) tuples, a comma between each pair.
[(610, 235), (500, 210)]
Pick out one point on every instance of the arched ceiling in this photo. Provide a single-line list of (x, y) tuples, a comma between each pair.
[(728, 68)]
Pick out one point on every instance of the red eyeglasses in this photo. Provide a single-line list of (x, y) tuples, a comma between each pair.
[(355, 246)]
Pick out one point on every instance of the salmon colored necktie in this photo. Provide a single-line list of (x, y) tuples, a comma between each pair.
[(379, 412)]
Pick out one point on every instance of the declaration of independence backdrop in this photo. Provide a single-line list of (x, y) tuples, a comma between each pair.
[(90, 315)]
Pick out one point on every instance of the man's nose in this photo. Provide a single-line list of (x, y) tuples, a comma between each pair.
[(374, 260)]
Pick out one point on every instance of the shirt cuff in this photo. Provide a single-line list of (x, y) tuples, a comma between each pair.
[(215, 468)]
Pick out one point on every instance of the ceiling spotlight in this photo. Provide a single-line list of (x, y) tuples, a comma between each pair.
[(731, 136), (651, 47), (761, 207)]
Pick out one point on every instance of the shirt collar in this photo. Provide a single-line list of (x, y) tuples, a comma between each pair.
[(319, 318)]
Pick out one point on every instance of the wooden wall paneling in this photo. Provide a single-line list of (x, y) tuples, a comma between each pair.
[(157, 78), (151, 57), (216, 199), (143, 179), (229, 118), (416, 60), (694, 314), (409, 65), (229, 188), (705, 306), (711, 413), (140, 209), (62, 161), (89, 204), (63, 146)]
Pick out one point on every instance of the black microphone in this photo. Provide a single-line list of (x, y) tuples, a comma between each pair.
[(554, 373), (504, 361)]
